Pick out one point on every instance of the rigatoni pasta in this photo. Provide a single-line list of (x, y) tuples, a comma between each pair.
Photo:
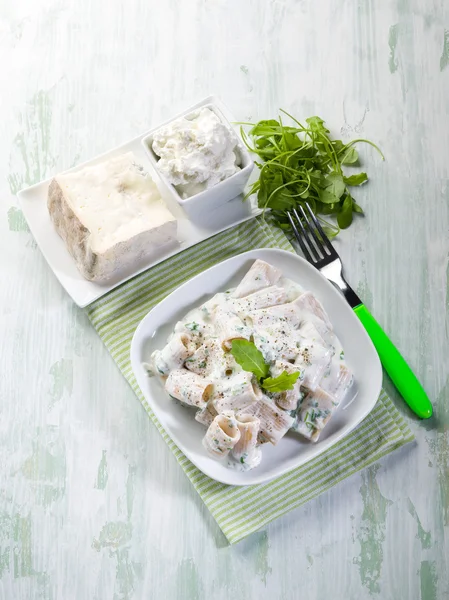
[(261, 275), (237, 394), (222, 435), (206, 415), (240, 410), (261, 299), (247, 451), (230, 327), (288, 399), (274, 422), (173, 355), (314, 412), (188, 387)]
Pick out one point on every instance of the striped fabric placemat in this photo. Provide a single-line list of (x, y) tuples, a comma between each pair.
[(240, 511)]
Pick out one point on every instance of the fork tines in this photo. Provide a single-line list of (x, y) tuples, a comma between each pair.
[(310, 235)]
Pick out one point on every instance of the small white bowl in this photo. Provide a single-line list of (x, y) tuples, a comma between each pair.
[(208, 200)]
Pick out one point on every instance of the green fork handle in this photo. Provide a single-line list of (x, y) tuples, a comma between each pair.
[(396, 367)]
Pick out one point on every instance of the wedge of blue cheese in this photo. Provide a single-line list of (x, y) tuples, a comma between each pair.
[(110, 215)]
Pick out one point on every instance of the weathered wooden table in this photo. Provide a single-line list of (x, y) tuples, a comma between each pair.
[(92, 504)]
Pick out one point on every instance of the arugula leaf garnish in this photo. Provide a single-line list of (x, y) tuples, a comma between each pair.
[(281, 383), (335, 184), (356, 179), (249, 357), (344, 216), (350, 157), (300, 162)]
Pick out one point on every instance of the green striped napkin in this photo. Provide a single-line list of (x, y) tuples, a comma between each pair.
[(240, 511)]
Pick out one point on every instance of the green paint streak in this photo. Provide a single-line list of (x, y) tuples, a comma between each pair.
[(5, 554), (371, 533), (444, 60), (19, 529), (62, 375), (16, 182), (439, 446), (447, 268), (102, 473), (125, 575), (244, 69), (5, 537), (113, 535), (130, 490), (429, 20), (32, 144), (44, 586), (188, 581), (443, 473), (46, 467), (392, 42), (43, 464), (79, 339), (119, 506), (16, 220), (5, 526), (428, 581), (49, 494), (423, 535), (23, 557), (262, 566), (365, 293)]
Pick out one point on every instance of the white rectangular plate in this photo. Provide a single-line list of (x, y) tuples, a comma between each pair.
[(292, 451), (33, 202)]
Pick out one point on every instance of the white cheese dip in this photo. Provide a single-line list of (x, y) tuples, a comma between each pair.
[(196, 152)]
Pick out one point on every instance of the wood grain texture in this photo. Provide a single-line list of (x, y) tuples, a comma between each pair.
[(92, 505)]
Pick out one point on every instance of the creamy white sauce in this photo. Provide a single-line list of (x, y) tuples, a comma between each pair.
[(247, 462), (196, 152), (291, 338)]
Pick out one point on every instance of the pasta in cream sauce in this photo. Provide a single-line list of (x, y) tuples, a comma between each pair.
[(292, 331)]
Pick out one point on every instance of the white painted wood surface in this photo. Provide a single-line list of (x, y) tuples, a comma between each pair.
[(92, 505)]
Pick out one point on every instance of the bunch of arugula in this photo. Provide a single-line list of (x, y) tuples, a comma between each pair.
[(301, 163), (251, 359)]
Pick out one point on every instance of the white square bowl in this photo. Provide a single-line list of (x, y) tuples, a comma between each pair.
[(292, 451), (33, 202), (208, 200)]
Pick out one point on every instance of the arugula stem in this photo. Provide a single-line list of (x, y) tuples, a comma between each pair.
[(351, 143), (284, 185)]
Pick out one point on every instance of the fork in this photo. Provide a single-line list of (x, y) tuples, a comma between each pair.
[(321, 254)]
